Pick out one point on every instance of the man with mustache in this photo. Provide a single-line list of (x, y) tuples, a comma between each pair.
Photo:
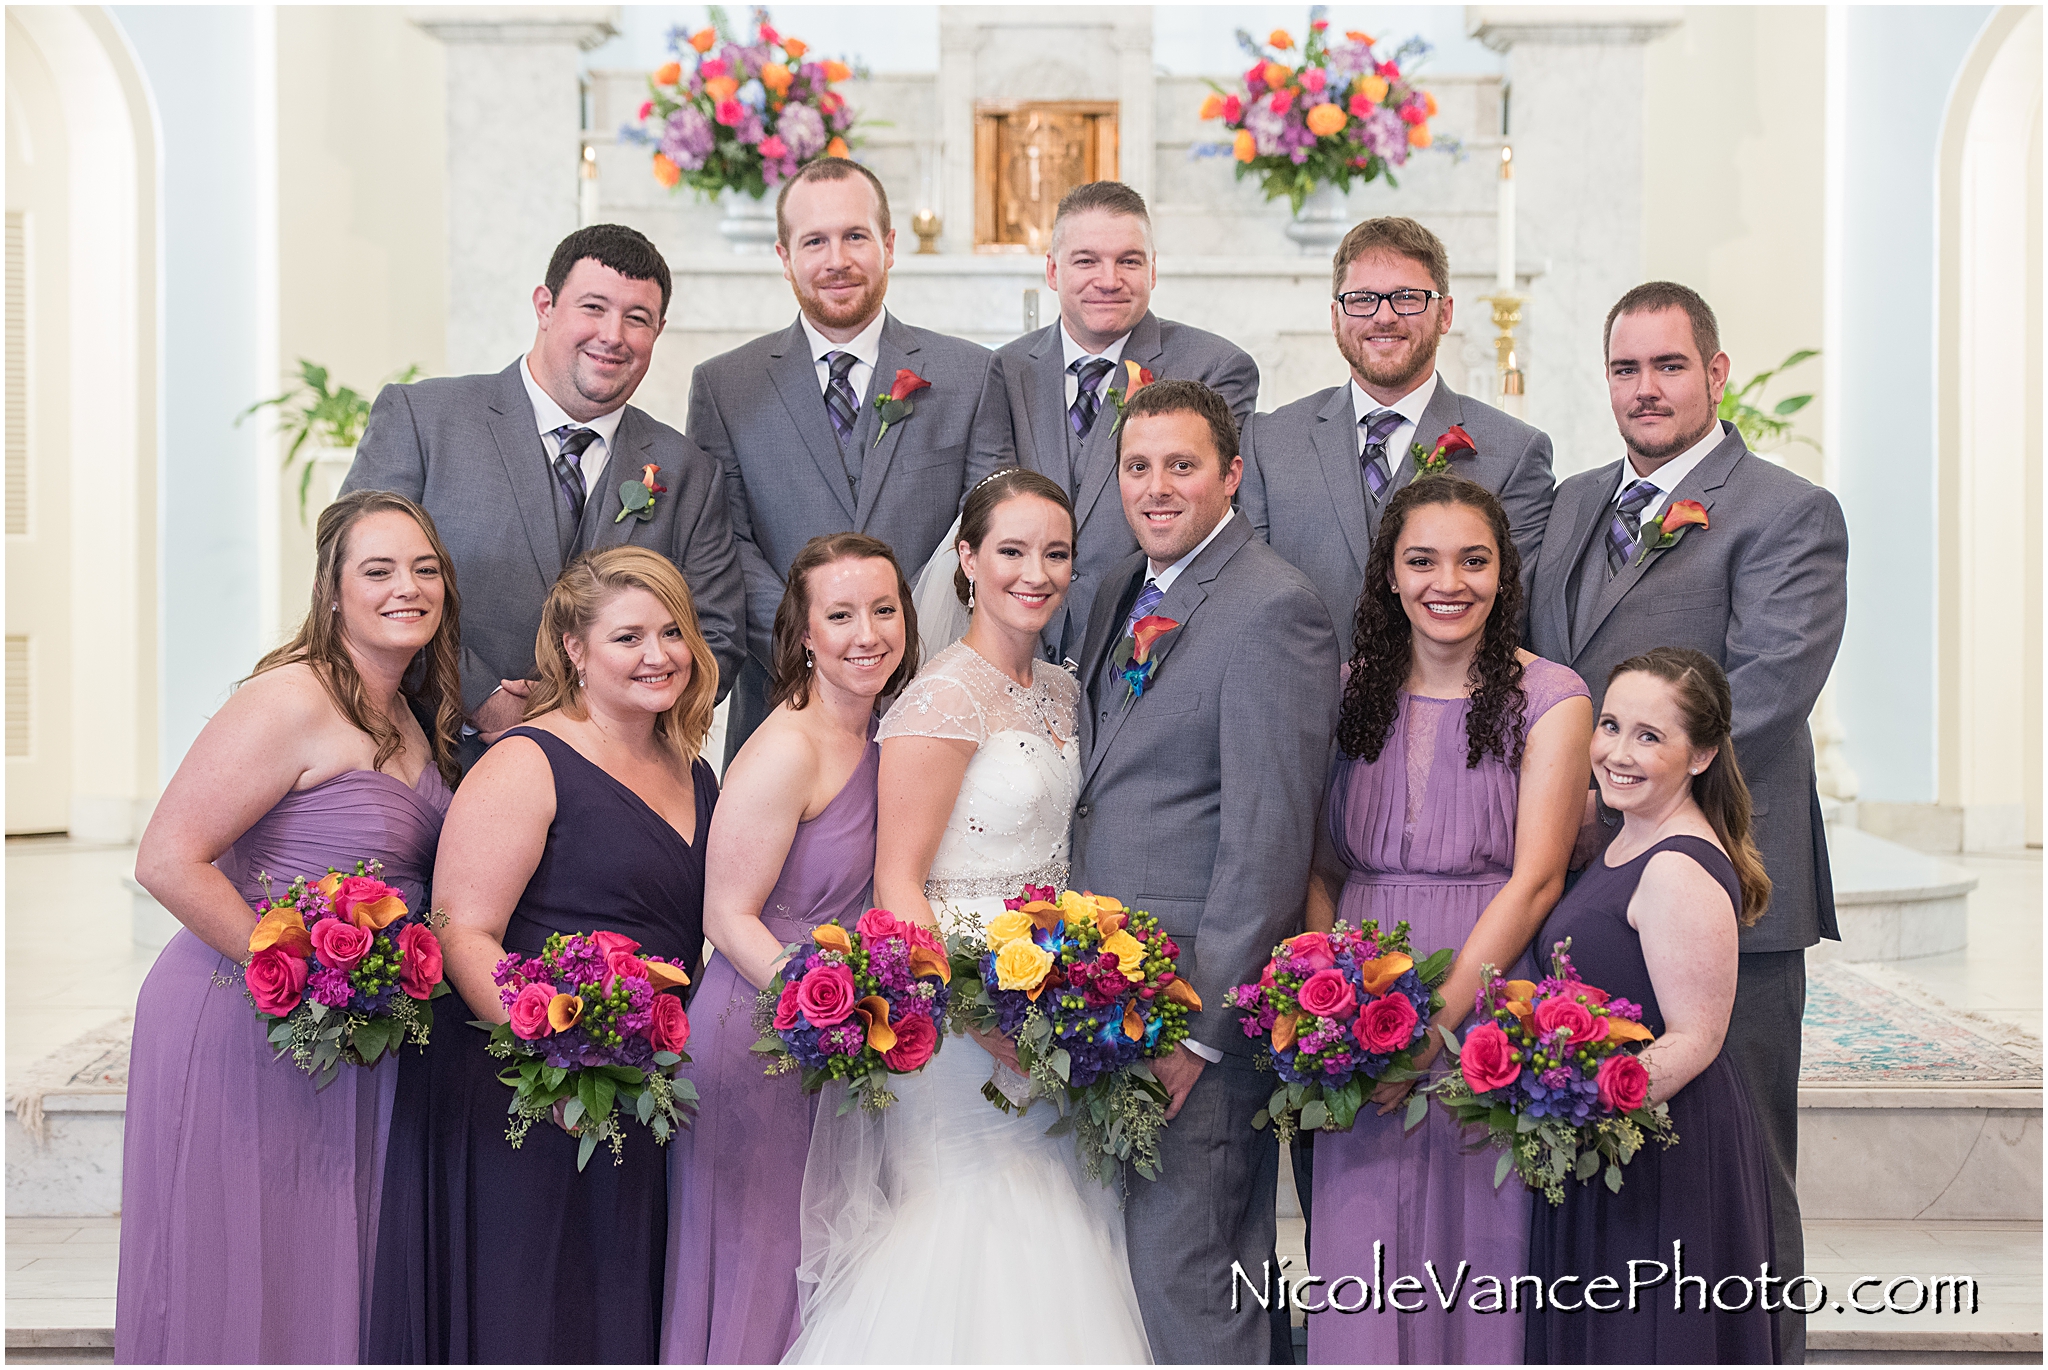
[(792, 417), (1318, 472), (1067, 382), (527, 469), (1759, 583)]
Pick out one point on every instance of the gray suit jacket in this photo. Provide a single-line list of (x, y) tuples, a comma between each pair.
[(1305, 491), (466, 449), (1198, 802), (1763, 589), (1032, 371), (760, 412)]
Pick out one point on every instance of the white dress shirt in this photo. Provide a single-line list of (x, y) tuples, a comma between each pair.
[(1667, 476), (550, 416), (1071, 352), (866, 347), (1409, 407)]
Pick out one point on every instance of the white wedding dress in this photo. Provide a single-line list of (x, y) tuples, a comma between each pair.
[(943, 1230)]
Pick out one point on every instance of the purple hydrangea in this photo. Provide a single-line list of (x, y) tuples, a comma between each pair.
[(688, 138), (330, 987), (803, 131)]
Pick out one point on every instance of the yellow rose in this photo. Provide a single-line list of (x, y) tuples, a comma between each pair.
[(1129, 953), (1006, 927), (1022, 964), (1077, 908)]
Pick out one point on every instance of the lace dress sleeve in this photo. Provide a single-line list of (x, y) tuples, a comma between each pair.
[(1066, 696), (935, 705)]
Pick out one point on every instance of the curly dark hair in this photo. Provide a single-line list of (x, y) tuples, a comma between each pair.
[(1382, 652)]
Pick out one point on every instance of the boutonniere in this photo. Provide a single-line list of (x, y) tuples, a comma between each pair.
[(1136, 379), (895, 406), (1134, 659), (637, 496), (1455, 442), (1668, 527)]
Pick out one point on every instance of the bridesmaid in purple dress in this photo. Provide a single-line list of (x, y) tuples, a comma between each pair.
[(249, 1199), (792, 846), (1453, 804)]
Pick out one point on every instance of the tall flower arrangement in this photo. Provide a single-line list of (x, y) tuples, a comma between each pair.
[(741, 115), (1321, 113)]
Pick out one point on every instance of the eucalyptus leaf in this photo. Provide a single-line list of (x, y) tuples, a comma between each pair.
[(572, 1112), (1589, 1161), (1614, 1179), (1314, 1114), (1261, 1120), (1500, 1170), (584, 1151), (1418, 1106)]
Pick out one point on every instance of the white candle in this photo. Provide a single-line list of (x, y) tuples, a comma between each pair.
[(1504, 225), (586, 188)]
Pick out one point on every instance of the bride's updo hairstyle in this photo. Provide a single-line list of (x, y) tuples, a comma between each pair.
[(982, 500), (791, 677)]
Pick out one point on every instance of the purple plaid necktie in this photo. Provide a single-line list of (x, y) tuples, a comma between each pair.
[(840, 402), (1379, 425), (1148, 600), (568, 465), (1624, 525), (1089, 371)]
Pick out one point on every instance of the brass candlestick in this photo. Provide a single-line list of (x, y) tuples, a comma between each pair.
[(1507, 315), (927, 225)]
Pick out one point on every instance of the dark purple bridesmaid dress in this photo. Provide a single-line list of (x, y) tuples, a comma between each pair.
[(249, 1200), (1708, 1191), (735, 1179)]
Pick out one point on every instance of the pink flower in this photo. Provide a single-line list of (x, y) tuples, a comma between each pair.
[(786, 1012), (277, 981), (419, 966), (1624, 1082), (1558, 1012), (1233, 109), (341, 944), (876, 924), (1255, 79), (922, 936), (711, 68), (366, 902), (1386, 1024), (1360, 106), (729, 112), (916, 1040), (1313, 948), (1327, 994), (1488, 1060), (622, 964), (670, 1028), (1576, 990), (530, 1012), (1282, 100), (773, 148), (609, 942), (646, 109), (1413, 113), (826, 996), (1312, 80), (1387, 71)]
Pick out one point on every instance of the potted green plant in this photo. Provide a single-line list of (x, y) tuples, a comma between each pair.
[(331, 420), (1760, 427)]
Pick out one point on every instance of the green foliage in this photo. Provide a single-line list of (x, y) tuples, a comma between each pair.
[(1759, 427), (590, 1096), (310, 409)]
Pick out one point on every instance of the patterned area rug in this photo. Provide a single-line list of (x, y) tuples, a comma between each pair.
[(96, 1063), (1867, 1024)]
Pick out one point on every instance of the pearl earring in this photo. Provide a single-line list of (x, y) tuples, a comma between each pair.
[(970, 595), (580, 682), (810, 662)]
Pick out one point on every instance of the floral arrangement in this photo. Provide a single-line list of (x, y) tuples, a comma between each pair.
[(1340, 114), (1087, 990), (1135, 664), (340, 970), (591, 1028), (1547, 1070), (741, 116), (895, 406), (1436, 461), (1340, 1012), (1669, 526), (858, 1006)]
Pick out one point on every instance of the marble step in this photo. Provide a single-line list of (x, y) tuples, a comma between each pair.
[(2003, 1259), (1924, 1154), (1891, 902)]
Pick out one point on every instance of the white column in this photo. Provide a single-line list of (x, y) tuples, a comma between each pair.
[(960, 40), (514, 142), (1137, 101)]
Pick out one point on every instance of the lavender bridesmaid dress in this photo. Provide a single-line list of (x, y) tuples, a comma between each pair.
[(1430, 840), (249, 1200), (735, 1178)]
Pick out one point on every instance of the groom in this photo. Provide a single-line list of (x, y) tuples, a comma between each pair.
[(1198, 803)]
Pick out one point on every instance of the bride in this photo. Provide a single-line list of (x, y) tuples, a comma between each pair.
[(942, 1229)]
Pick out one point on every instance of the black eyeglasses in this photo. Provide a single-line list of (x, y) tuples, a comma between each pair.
[(1363, 304)]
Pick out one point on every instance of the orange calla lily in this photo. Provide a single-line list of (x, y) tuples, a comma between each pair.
[(1623, 1030), (281, 928), (1147, 631), (1042, 913), (832, 937), (327, 884), (1112, 922), (1134, 1025), (1519, 999), (665, 975), (1283, 1030), (564, 1012), (1378, 976), (1181, 992), (1136, 378), (375, 914), (647, 474), (1683, 513), (874, 1011), (925, 961)]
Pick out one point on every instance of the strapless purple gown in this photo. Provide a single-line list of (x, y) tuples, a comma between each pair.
[(736, 1177), (249, 1200), (1418, 1192)]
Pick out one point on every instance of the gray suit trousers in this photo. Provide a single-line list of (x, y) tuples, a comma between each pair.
[(1770, 1002)]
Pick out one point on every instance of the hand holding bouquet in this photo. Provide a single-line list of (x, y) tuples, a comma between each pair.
[(1547, 1070), (1087, 990), (857, 1006), (591, 1027), (1341, 1011), (340, 970)]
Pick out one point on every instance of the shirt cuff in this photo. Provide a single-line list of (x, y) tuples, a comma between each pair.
[(1207, 1053)]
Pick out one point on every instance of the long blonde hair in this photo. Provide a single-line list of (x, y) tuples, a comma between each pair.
[(433, 680), (580, 593)]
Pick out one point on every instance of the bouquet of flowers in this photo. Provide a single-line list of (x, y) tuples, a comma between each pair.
[(743, 116), (1340, 114), (1340, 1011), (1087, 990), (1547, 1071), (857, 1006), (591, 1028), (340, 970)]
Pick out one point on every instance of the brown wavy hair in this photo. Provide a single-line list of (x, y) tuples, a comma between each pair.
[(995, 491), (1382, 651), (790, 677), (580, 593), (1708, 712), (432, 683)]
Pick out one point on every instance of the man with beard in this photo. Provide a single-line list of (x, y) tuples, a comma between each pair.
[(1318, 472), (1059, 381), (525, 470), (1759, 583), (794, 417)]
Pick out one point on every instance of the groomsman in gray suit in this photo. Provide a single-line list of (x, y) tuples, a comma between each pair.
[(523, 470), (792, 418), (1318, 472), (1762, 588), (1060, 380), (1198, 802)]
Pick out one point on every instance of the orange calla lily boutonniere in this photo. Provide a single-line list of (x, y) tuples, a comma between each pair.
[(1134, 659), (1136, 378), (895, 406), (636, 497), (1668, 527), (1455, 442)]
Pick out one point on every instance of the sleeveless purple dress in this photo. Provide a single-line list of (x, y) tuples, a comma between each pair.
[(736, 1177), (249, 1200), (1707, 1191), (1429, 840)]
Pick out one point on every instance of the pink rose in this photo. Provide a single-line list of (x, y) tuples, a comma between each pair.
[(826, 995), (419, 966), (922, 936), (277, 981), (1386, 1024), (1576, 990), (670, 1030), (729, 112), (1488, 1060), (609, 942), (1314, 948), (773, 148), (1312, 80), (361, 890), (1327, 994), (619, 965), (530, 1011), (1558, 1012), (1624, 1082), (916, 1040), (876, 924), (340, 943), (786, 1012)]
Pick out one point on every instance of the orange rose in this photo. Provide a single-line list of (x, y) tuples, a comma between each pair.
[(1325, 120), (666, 172), (776, 77), (1276, 75), (1244, 149), (837, 71), (1429, 103), (1418, 135), (721, 88), (795, 47), (702, 39), (1281, 39), (668, 73), (1212, 105), (1358, 36), (838, 148)]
